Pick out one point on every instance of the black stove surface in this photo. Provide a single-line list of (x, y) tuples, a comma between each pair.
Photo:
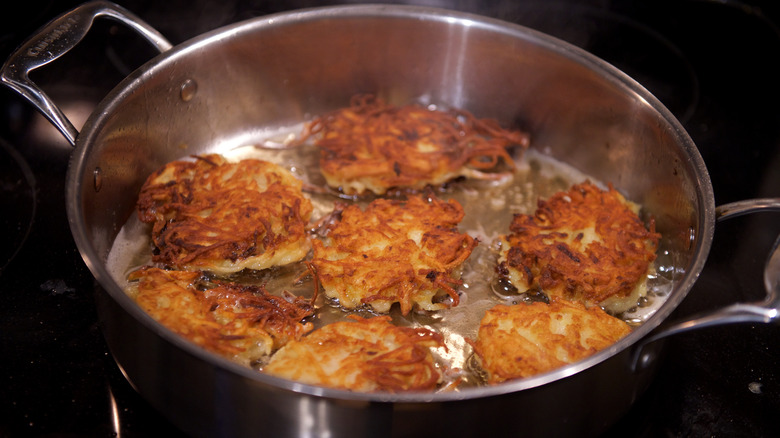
[(712, 63)]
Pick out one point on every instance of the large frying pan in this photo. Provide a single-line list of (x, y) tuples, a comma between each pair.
[(227, 85)]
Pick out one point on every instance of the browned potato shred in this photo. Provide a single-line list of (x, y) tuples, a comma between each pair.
[(394, 251), (239, 321), (360, 354), (527, 339), (224, 217), (585, 244), (375, 146)]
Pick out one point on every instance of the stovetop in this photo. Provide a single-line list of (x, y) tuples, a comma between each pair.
[(712, 63)]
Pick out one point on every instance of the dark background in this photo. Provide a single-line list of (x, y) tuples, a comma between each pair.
[(712, 63)]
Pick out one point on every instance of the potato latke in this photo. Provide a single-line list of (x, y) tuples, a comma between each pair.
[(366, 355), (586, 244), (527, 339), (394, 251), (374, 146), (224, 217), (241, 322)]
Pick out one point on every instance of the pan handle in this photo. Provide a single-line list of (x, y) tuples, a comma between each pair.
[(765, 311), (54, 40)]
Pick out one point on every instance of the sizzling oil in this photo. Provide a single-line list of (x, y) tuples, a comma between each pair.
[(489, 207)]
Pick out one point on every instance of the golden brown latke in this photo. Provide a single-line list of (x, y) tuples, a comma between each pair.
[(241, 322), (394, 251), (223, 217), (374, 146), (585, 244), (527, 339), (366, 355)]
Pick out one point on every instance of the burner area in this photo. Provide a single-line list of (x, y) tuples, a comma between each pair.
[(712, 63)]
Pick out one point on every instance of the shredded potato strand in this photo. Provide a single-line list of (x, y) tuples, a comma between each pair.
[(362, 354), (222, 216), (239, 321), (527, 339), (381, 146), (371, 257), (585, 243)]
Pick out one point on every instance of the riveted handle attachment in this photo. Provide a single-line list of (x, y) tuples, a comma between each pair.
[(765, 311), (54, 40)]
